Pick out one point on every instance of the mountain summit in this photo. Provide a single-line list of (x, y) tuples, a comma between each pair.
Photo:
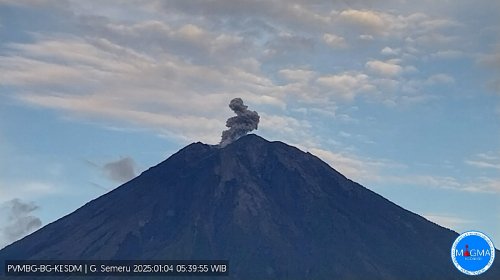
[(273, 211)]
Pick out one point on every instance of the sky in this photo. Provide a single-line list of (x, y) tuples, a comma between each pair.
[(400, 96)]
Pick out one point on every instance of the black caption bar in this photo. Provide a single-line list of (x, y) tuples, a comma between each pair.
[(117, 268)]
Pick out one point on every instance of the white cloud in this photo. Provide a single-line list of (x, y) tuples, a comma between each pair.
[(334, 41), (351, 167), (368, 20), (296, 14), (191, 32), (328, 112), (410, 34), (99, 78), (492, 61), (388, 68), (371, 22), (346, 85), (285, 127), (366, 37), (27, 190), (410, 69), (482, 185), (433, 41), (488, 156), (362, 169), (485, 160), (226, 42), (36, 3), (183, 126), (344, 134), (122, 64), (297, 74), (439, 23), (371, 172), (286, 43), (447, 54), (448, 221), (445, 182), (478, 185), (390, 51), (140, 89), (440, 79), (15, 72)]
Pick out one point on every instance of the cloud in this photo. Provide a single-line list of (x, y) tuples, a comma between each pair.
[(334, 41), (389, 68), (104, 84), (368, 20), (296, 14), (191, 32), (371, 172), (29, 189), (435, 24), (390, 51), (288, 43), (485, 161), (38, 3), (366, 37), (346, 85), (345, 134), (448, 221), (301, 75), (122, 170), (18, 220), (492, 61), (488, 156), (295, 130), (414, 32), (435, 40), (362, 169), (477, 185), (444, 182), (440, 78), (483, 185), (447, 54), (146, 72)]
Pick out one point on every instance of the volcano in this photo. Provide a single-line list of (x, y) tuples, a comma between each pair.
[(272, 210)]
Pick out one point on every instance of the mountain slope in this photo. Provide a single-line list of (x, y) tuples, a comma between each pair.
[(272, 210)]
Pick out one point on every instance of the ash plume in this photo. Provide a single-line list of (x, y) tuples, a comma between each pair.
[(239, 125)]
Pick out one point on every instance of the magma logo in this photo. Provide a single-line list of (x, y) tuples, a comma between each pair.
[(472, 252)]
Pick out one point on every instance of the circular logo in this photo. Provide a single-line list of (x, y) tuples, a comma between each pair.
[(472, 252)]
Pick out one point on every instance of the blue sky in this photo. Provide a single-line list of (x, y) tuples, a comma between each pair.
[(401, 96)]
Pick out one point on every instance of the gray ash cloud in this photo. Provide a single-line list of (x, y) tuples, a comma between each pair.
[(121, 170), (239, 125), (19, 219)]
